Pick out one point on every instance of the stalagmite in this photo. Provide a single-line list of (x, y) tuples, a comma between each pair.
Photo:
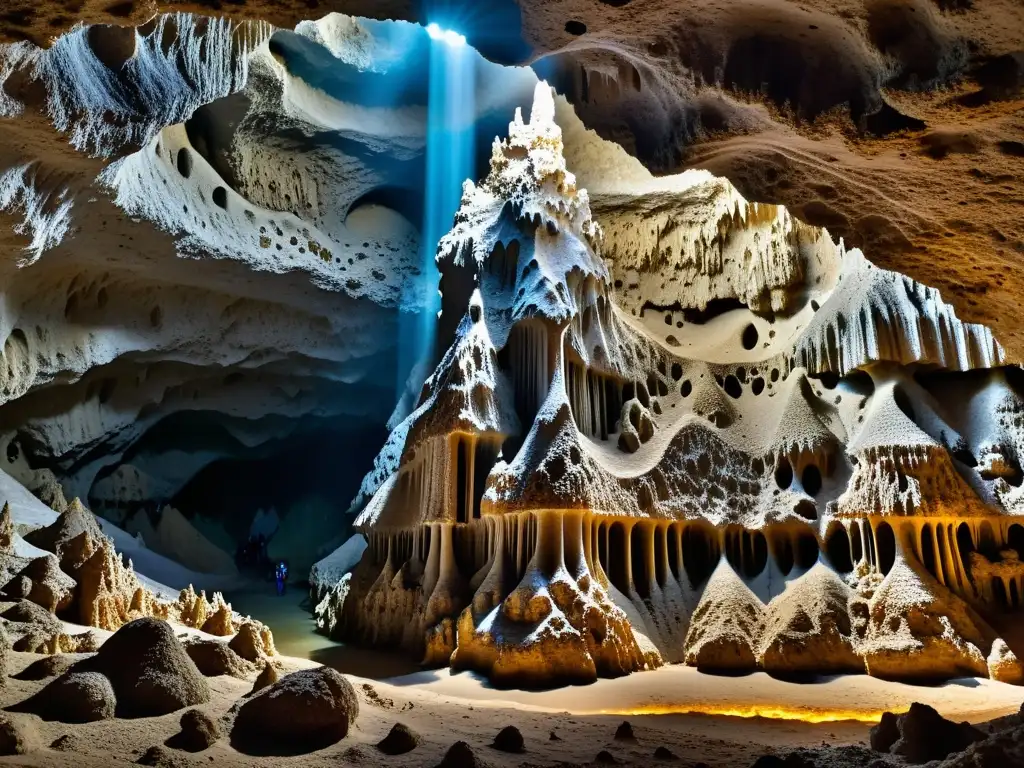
[(709, 452)]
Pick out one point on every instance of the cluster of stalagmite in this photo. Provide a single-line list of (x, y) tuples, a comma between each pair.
[(70, 570), (743, 447)]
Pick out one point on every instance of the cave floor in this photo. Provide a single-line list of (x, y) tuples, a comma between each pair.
[(697, 717), (290, 618)]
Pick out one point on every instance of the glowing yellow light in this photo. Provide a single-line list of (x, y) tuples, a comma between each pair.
[(807, 715)]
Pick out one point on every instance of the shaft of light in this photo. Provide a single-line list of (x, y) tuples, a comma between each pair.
[(450, 151)]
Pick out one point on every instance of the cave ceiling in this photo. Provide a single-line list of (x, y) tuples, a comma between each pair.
[(245, 288), (895, 123)]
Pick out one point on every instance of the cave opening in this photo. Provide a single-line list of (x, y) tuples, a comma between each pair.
[(294, 490)]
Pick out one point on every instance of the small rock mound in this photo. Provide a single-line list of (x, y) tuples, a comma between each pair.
[(400, 740), (509, 739), (67, 743), (74, 697), (923, 735), (18, 736), (604, 757), (198, 732), (161, 757), (149, 670), (460, 755), (664, 753), (625, 732), (302, 712), (214, 658), (267, 677)]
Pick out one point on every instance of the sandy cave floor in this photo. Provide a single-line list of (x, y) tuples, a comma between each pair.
[(443, 708)]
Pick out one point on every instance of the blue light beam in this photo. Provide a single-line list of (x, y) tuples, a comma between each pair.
[(451, 114)]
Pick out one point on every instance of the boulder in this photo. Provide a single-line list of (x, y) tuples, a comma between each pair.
[(74, 697), (926, 735), (885, 734), (149, 669), (509, 739), (301, 712)]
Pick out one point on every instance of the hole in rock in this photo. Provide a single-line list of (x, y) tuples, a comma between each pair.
[(699, 553), (806, 509), (749, 337), (828, 379), (574, 27), (837, 546), (13, 452), (965, 545), (211, 133), (1015, 539), (732, 387), (810, 478), (783, 473), (782, 548), (746, 551), (928, 550), (638, 560), (184, 162), (903, 402), (686, 388), (805, 553), (757, 386), (112, 44), (617, 558), (886, 542), (220, 197)]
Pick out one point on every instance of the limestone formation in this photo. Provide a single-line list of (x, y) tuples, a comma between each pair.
[(718, 438), (664, 424)]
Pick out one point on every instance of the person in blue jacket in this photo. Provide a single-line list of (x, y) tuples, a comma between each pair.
[(281, 576)]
